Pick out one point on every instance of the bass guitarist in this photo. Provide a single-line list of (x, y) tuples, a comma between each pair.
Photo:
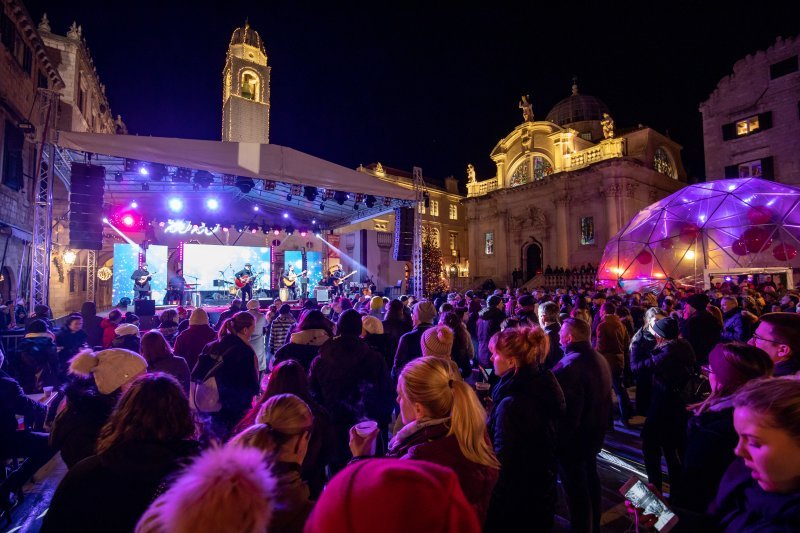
[(246, 275), (141, 282)]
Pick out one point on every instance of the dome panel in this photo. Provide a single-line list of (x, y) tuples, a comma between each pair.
[(249, 36), (577, 108)]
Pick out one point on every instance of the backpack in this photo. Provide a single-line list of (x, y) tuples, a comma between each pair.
[(203, 389)]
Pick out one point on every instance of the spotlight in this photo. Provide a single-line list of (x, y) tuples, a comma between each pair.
[(355, 207), (157, 171), (286, 215), (340, 197), (303, 232), (134, 205), (203, 178), (310, 193), (175, 204), (105, 220), (212, 204), (288, 197), (225, 229), (143, 171), (255, 208), (182, 175), (245, 184), (264, 229), (269, 185), (276, 232), (321, 206), (289, 230), (328, 194), (317, 235), (370, 201), (314, 221), (387, 201), (128, 221)]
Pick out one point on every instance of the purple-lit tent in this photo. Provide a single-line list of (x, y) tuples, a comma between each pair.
[(726, 226)]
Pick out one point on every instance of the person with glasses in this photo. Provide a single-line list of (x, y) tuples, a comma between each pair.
[(711, 436), (778, 334)]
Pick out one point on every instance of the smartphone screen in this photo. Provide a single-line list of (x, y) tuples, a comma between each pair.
[(642, 497)]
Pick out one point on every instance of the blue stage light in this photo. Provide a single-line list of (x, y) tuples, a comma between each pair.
[(175, 204), (212, 203), (286, 215)]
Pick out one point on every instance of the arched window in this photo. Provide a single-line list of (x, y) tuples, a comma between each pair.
[(663, 164), (250, 85), (541, 168), (521, 174), (537, 167)]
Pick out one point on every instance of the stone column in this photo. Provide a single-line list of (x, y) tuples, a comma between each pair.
[(612, 192), (628, 204), (501, 174), (562, 232), (474, 239), (501, 245)]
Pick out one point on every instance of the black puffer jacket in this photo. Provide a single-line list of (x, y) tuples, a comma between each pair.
[(408, 349), (38, 362), (488, 324), (70, 344), (702, 332), (523, 426), (641, 346)]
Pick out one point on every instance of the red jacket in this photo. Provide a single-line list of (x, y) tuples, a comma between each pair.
[(191, 341), (108, 332)]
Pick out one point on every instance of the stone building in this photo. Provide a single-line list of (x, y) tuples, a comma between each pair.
[(25, 68), (83, 107), (246, 91), (751, 122), (564, 186)]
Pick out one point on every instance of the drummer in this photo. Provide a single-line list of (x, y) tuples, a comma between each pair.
[(177, 286)]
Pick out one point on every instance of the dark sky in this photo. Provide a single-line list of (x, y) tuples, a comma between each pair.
[(416, 84)]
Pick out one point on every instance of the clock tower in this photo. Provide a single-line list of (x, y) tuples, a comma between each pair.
[(245, 91)]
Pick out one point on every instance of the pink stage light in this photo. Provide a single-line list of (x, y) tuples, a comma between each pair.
[(128, 221)]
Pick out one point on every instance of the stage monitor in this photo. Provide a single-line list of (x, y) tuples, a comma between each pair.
[(126, 261), (215, 266)]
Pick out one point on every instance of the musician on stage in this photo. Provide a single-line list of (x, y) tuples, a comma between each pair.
[(247, 290), (289, 280), (335, 279), (141, 283), (177, 284), (303, 284)]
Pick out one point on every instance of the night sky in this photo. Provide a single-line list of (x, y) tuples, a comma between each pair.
[(416, 84)]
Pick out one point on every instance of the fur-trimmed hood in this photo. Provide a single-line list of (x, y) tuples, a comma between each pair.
[(313, 337)]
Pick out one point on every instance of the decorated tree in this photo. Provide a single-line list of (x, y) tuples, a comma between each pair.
[(432, 282)]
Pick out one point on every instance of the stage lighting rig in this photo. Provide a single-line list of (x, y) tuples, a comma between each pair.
[(203, 178), (157, 171), (182, 175), (387, 202), (370, 201), (245, 184), (328, 194), (340, 197), (269, 185), (296, 190), (322, 206), (310, 193)]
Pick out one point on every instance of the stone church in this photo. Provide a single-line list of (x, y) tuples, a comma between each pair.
[(564, 186)]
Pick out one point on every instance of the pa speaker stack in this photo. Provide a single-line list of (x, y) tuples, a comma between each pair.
[(403, 233), (86, 206)]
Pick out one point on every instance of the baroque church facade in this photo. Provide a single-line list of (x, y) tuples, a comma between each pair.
[(564, 187)]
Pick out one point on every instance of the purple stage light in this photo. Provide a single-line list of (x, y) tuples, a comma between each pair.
[(255, 208), (175, 204), (286, 215), (134, 205), (212, 203)]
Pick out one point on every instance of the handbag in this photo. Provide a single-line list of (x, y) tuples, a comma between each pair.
[(204, 389)]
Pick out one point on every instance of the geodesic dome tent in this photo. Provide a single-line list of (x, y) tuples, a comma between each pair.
[(716, 226)]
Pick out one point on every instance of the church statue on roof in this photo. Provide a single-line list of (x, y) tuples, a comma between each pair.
[(527, 108)]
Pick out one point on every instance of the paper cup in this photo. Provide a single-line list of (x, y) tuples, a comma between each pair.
[(366, 428), (47, 391)]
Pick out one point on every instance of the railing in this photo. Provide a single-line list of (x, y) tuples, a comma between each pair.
[(479, 188), (607, 149), (568, 279)]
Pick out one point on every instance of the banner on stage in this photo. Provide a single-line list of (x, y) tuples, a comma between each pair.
[(333, 249)]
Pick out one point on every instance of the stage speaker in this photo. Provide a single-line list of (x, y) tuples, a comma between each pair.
[(86, 206), (144, 307), (263, 304), (403, 234)]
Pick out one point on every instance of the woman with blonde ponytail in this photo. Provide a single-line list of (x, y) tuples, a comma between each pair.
[(527, 404), (444, 424)]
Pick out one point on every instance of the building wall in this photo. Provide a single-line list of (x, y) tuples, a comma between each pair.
[(243, 119), (752, 90)]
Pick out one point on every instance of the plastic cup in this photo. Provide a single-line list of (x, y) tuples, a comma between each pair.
[(482, 390), (366, 428), (47, 391)]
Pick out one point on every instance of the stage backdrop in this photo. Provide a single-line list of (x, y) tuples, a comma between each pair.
[(209, 262), (126, 260), (313, 265)]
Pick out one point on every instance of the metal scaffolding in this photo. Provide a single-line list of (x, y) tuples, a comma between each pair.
[(91, 275), (416, 274), (43, 201)]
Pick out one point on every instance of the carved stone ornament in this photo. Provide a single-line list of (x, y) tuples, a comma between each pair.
[(74, 32), (608, 126), (527, 108), (536, 217), (471, 174), (44, 25)]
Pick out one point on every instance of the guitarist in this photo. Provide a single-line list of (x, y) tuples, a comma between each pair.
[(336, 275), (141, 283), (247, 290), (289, 280)]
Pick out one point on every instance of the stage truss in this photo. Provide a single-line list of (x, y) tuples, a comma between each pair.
[(419, 193)]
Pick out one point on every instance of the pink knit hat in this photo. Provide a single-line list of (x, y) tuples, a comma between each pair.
[(437, 341)]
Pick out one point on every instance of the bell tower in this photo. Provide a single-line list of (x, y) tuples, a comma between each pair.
[(245, 89)]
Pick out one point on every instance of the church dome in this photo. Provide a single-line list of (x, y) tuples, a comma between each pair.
[(577, 108), (249, 36)]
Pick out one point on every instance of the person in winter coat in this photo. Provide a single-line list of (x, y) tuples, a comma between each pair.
[(526, 312), (258, 341), (735, 327), (289, 377), (612, 341), (711, 436), (147, 438), (489, 321), (279, 328), (69, 341), (396, 324), (585, 379), (350, 380), (641, 346), (463, 351), (191, 342), (527, 405), (237, 376), (282, 432), (376, 307), (109, 325), (699, 327), (373, 335), (160, 358), (168, 325), (236, 306), (664, 430), (409, 347), (313, 331), (548, 320), (38, 358), (101, 379), (127, 337)]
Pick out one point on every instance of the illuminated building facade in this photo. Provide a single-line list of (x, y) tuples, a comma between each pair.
[(564, 186)]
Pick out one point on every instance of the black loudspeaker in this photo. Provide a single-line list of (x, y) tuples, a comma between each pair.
[(86, 206), (144, 307), (264, 303), (403, 233)]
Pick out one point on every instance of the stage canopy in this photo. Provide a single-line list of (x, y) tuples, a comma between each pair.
[(714, 227), (197, 168)]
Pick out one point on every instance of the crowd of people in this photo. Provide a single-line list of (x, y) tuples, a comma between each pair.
[(455, 413)]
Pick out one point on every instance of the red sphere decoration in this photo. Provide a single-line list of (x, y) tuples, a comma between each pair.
[(760, 215), (689, 233), (739, 247), (784, 252), (666, 244), (756, 239), (644, 257)]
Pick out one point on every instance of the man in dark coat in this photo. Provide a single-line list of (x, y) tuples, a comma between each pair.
[(410, 347), (548, 319), (489, 321), (699, 327), (585, 378), (236, 306), (734, 325), (91, 324)]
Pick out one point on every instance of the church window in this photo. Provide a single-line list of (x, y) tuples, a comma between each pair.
[(434, 208), (541, 168), (521, 175), (250, 86), (488, 240), (587, 230), (453, 212), (662, 163)]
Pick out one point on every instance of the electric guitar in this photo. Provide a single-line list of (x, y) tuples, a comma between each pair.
[(143, 279), (339, 281), (244, 280), (292, 278)]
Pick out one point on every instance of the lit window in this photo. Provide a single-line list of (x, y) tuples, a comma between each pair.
[(421, 208), (434, 207), (751, 169), (520, 175), (453, 241), (541, 168), (250, 88), (453, 212), (747, 126), (587, 230), (662, 163), (489, 243)]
